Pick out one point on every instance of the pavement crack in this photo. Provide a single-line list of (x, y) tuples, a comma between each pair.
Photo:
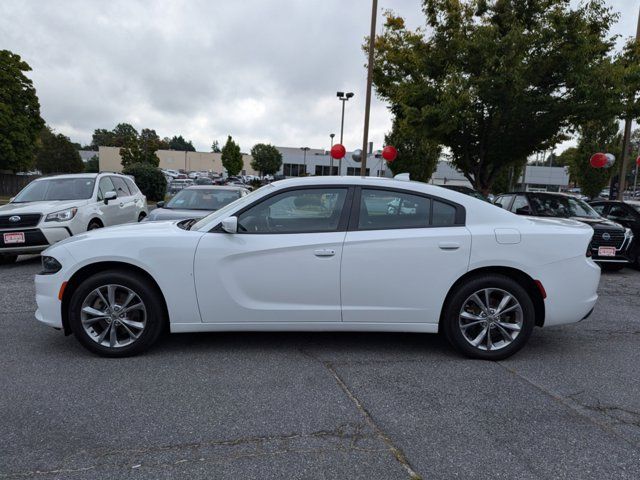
[(395, 450)]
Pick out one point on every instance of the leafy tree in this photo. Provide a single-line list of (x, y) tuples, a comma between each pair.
[(149, 179), (496, 81), (92, 165), (215, 147), (20, 121), (594, 137), (417, 155), (57, 154), (179, 143), (267, 159), (141, 149), (231, 157), (122, 135)]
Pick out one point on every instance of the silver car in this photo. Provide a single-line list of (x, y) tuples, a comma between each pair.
[(196, 202)]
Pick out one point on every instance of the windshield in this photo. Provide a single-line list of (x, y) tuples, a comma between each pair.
[(560, 206), (224, 211), (56, 189), (203, 199)]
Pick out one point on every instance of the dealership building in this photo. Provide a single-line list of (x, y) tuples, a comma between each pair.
[(315, 161)]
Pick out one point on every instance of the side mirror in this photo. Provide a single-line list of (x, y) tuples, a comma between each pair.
[(498, 204), (110, 196), (230, 224), (160, 204)]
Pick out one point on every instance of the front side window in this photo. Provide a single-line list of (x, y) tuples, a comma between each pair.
[(121, 188), (132, 186), (521, 206), (383, 209), (295, 211), (56, 189), (599, 208), (105, 185), (503, 201)]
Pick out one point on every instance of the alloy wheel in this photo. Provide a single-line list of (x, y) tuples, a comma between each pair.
[(490, 319), (113, 316)]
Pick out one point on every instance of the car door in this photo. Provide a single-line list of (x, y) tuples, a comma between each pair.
[(126, 201), (402, 253), (109, 212), (283, 264)]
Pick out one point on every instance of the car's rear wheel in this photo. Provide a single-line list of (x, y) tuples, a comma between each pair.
[(8, 259), (489, 317), (116, 314)]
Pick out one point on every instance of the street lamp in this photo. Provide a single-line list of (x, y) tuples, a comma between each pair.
[(343, 98), (305, 150), (331, 135)]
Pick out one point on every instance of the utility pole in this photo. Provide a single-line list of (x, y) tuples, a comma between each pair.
[(626, 139), (367, 104), (343, 98), (331, 135)]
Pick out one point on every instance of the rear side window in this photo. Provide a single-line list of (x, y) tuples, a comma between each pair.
[(599, 208), (132, 186), (388, 209), (121, 187)]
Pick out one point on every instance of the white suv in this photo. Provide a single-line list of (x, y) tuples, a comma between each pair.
[(51, 209)]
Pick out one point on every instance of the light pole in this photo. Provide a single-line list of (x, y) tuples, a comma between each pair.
[(343, 98), (367, 102), (305, 150), (331, 135)]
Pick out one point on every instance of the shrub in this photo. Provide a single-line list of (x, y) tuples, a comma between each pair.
[(149, 179)]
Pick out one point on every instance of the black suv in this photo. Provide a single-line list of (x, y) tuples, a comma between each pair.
[(626, 214), (610, 245)]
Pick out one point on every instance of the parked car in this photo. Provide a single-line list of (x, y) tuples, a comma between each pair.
[(308, 254), (196, 202), (204, 181), (178, 184), (626, 214), (467, 191), (51, 209), (611, 242)]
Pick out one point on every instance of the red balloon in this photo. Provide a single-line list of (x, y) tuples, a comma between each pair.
[(389, 153), (598, 160), (638, 161), (338, 151)]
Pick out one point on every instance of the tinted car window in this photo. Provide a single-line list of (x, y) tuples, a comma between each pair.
[(599, 208), (560, 206), (521, 205), (105, 185), (382, 209), (121, 187), (56, 189), (443, 214), (132, 186), (296, 211), (202, 199)]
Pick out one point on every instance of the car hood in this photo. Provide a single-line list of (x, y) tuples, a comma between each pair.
[(40, 207), (598, 223), (176, 214)]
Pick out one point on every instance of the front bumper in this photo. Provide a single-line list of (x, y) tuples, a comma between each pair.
[(36, 240)]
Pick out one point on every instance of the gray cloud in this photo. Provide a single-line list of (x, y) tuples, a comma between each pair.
[(259, 70)]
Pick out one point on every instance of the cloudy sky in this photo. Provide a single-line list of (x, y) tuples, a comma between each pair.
[(260, 70)]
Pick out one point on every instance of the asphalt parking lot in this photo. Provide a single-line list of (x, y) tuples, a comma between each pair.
[(373, 406)]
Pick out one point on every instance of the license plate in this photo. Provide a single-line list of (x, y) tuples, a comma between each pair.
[(14, 237), (606, 251)]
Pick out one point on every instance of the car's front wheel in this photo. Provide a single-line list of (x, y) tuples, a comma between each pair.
[(489, 317), (116, 313)]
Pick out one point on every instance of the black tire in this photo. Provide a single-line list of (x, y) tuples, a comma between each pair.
[(612, 267), (141, 217), (156, 318), (93, 224), (452, 329), (8, 259)]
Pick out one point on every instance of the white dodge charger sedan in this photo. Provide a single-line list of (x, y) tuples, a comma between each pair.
[(325, 253)]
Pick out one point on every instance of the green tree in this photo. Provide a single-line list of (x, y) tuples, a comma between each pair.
[(215, 147), (141, 149), (231, 157), (179, 143), (149, 179), (123, 135), (267, 159), (57, 154), (594, 137), (20, 121), (92, 165), (417, 155), (497, 81)]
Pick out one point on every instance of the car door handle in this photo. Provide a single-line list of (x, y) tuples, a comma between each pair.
[(122, 204), (449, 245), (324, 252)]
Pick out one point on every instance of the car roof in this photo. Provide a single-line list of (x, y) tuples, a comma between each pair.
[(214, 187), (555, 194), (69, 175)]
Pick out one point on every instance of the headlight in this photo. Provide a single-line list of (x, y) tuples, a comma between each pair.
[(62, 215), (50, 265)]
